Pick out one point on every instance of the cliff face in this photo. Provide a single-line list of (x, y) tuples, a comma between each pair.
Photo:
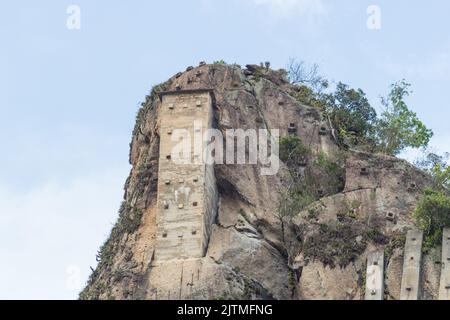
[(360, 203)]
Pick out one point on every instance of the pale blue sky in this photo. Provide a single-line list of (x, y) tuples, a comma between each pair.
[(68, 99)]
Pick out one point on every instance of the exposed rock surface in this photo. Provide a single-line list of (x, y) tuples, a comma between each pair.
[(319, 253)]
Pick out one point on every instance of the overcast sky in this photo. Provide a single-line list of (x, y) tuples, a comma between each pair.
[(68, 100)]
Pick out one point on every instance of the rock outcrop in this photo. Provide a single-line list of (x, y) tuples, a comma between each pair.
[(364, 204)]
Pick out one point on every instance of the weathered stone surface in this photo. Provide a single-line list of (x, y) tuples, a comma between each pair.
[(375, 276), (394, 272), (431, 272), (250, 252), (444, 289), (410, 288), (319, 282), (187, 191), (232, 247), (199, 279)]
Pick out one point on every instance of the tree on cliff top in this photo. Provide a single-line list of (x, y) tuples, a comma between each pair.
[(399, 127), (352, 115), (355, 119)]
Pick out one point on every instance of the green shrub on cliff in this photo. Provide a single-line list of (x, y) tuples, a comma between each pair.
[(292, 150), (352, 115), (432, 215), (433, 211)]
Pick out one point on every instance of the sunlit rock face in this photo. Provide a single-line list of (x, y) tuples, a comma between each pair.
[(223, 236)]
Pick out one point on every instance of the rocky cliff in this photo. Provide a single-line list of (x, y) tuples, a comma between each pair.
[(263, 245)]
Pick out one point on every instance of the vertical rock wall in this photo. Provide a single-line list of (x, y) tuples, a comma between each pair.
[(187, 193)]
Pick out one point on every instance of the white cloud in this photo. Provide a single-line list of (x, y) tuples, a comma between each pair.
[(290, 8), (275, 9)]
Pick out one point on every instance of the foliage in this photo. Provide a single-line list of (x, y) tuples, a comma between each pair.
[(375, 236), (301, 74), (352, 115), (129, 216), (433, 211), (431, 159), (334, 170), (348, 210), (354, 120), (357, 123), (306, 177), (329, 166), (293, 202), (219, 62), (309, 97), (149, 99), (399, 127), (341, 243), (128, 222), (292, 151), (333, 245), (441, 176), (397, 241), (295, 196), (432, 215), (437, 166)]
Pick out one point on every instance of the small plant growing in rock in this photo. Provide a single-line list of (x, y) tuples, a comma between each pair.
[(333, 169), (293, 151)]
